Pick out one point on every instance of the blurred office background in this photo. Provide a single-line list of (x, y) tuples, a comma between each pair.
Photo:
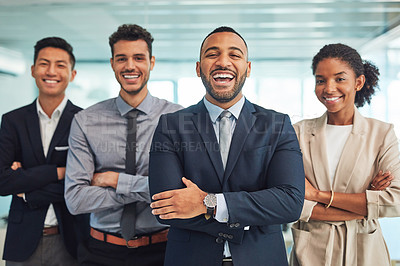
[(282, 35)]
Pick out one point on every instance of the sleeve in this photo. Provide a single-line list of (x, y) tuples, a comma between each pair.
[(282, 201), (308, 205), (22, 180), (50, 193), (165, 173), (386, 203), (80, 196)]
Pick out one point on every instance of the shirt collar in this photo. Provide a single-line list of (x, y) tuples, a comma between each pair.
[(144, 107), (215, 110), (56, 113)]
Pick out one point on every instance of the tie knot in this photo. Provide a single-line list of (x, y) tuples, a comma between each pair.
[(132, 113), (226, 114)]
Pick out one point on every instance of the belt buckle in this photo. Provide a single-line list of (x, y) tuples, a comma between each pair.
[(127, 242)]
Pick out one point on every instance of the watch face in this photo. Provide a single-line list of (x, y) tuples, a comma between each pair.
[(210, 200)]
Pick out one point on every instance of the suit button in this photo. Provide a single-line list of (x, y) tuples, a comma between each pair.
[(219, 240), (230, 236), (225, 235), (231, 225), (237, 224), (220, 234)]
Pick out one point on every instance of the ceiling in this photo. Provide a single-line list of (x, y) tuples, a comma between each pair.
[(274, 30)]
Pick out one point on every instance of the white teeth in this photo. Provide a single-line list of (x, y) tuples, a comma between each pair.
[(50, 81), (131, 76), (332, 99), (222, 76)]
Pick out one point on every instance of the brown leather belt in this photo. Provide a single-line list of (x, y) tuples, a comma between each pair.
[(133, 243), (48, 231)]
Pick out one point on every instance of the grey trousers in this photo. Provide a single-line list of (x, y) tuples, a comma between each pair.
[(50, 252)]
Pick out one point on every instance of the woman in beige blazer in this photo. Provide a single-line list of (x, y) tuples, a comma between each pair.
[(352, 168)]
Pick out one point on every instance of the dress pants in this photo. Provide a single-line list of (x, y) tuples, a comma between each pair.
[(51, 251), (95, 252)]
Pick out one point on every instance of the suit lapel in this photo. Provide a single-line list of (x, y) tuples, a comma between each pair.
[(202, 122), (351, 153), (242, 130), (33, 128), (62, 128), (318, 154)]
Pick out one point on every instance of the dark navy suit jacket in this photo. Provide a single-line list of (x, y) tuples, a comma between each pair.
[(263, 184), (20, 141)]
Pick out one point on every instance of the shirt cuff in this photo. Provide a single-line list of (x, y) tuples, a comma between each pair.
[(222, 214), (124, 184), (308, 207), (372, 204)]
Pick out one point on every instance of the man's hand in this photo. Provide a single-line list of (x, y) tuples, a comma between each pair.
[(16, 165), (61, 173), (105, 179), (381, 181), (182, 203)]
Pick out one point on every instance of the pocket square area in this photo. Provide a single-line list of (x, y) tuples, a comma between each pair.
[(61, 148)]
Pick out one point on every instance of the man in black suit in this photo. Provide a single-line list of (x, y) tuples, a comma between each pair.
[(33, 153)]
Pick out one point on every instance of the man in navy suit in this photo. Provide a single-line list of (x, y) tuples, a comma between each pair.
[(225, 173), (33, 153)]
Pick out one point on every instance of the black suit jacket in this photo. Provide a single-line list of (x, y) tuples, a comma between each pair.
[(20, 141), (263, 184)]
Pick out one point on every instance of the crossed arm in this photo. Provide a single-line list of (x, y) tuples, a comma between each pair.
[(344, 206)]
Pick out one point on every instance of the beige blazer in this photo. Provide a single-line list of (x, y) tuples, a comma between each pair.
[(371, 146)]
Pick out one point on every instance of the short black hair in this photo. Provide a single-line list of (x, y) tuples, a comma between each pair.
[(131, 32), (222, 29), (360, 67), (55, 42)]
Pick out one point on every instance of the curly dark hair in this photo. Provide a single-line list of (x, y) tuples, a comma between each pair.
[(131, 32), (55, 42), (360, 67)]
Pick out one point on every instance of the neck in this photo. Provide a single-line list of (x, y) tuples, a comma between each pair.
[(134, 99), (224, 105), (49, 104), (341, 119)]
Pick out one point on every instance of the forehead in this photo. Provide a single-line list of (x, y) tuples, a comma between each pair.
[(224, 40), (53, 54), (334, 65), (126, 47)]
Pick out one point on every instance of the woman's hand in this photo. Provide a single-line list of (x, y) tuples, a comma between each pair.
[(381, 181), (310, 192)]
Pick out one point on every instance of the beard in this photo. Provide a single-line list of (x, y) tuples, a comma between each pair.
[(226, 96)]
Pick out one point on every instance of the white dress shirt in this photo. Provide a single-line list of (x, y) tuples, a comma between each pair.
[(48, 126)]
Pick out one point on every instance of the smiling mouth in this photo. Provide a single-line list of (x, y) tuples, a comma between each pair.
[(50, 81), (131, 76), (223, 77), (332, 99)]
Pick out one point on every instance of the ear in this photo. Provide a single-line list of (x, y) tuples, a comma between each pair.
[(248, 69), (198, 68), (360, 81), (73, 74), (112, 63), (152, 62), (33, 71)]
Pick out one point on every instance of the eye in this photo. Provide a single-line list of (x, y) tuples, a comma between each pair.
[(139, 58), (340, 79), (121, 59), (319, 81), (211, 55)]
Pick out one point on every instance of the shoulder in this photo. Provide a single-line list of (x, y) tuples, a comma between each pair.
[(20, 112), (374, 127), (166, 106), (98, 108)]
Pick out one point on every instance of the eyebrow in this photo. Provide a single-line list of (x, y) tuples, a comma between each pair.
[(337, 74), (230, 48), (48, 61), (138, 54)]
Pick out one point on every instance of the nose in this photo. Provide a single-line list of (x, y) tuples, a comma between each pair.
[(330, 87), (130, 64), (224, 60), (51, 70)]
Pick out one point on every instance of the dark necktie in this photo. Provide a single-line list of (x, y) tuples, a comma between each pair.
[(128, 218), (225, 138)]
